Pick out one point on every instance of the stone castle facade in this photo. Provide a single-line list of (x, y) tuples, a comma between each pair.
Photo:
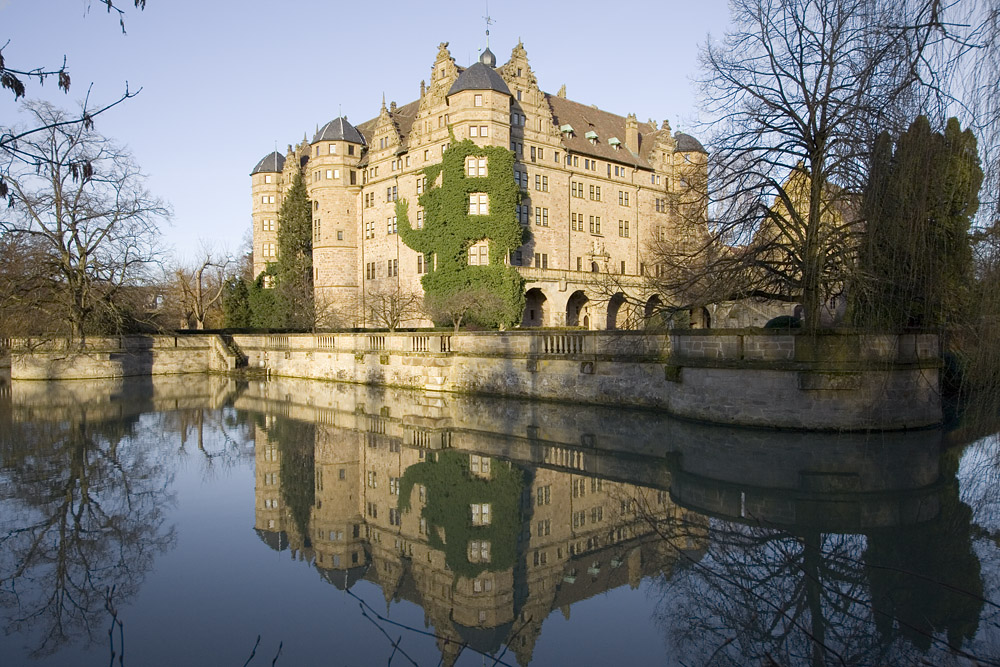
[(598, 192)]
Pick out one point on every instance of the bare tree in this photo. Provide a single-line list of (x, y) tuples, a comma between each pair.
[(464, 304), (795, 95), (17, 145), (200, 286), (391, 306), (83, 201)]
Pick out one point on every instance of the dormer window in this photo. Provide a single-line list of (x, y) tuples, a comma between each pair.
[(615, 143), (567, 129), (592, 136)]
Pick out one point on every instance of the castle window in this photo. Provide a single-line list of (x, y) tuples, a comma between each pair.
[(350, 149), (579, 263), (479, 204), (336, 174), (393, 269), (623, 228), (484, 130), (269, 250), (440, 121), (478, 100), (333, 149), (541, 183), (532, 153), (390, 224), (576, 222), (519, 95), (340, 234), (267, 178), (623, 267), (479, 254), (479, 551), (475, 166), (420, 219), (474, 131), (541, 216), (541, 260), (329, 174), (407, 160), (595, 224), (595, 192), (576, 189), (555, 156), (267, 199), (267, 226), (523, 212), (480, 514), (268, 282), (622, 198), (354, 177)]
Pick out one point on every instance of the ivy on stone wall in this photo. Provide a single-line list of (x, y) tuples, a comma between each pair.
[(451, 491), (449, 230)]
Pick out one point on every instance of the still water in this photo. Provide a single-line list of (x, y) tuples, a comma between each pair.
[(195, 520)]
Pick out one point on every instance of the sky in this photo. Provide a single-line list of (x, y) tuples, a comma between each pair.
[(225, 81)]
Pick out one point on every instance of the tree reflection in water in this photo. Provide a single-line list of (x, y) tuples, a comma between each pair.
[(903, 595), (83, 514)]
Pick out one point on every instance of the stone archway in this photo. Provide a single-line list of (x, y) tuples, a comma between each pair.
[(576, 310), (653, 316), (534, 308), (701, 318), (615, 311)]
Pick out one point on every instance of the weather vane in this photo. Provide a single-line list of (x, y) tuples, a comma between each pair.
[(489, 21)]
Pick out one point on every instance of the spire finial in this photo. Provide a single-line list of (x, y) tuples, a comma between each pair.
[(489, 21)]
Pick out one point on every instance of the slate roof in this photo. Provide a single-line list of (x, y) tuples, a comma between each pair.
[(339, 129), (688, 144), (479, 77), (605, 124), (272, 162)]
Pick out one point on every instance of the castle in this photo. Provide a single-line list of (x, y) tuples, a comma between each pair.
[(598, 191)]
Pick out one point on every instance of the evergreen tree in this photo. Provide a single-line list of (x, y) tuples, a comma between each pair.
[(293, 272), (915, 259), (236, 303)]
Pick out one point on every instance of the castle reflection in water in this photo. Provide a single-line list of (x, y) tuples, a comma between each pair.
[(487, 530), (491, 515)]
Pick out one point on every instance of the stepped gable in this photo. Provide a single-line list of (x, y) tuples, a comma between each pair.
[(272, 162), (339, 129), (585, 119), (402, 117)]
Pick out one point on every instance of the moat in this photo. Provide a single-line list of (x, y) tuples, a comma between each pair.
[(210, 521)]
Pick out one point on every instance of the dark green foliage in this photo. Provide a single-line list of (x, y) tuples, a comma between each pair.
[(451, 490), (449, 230), (294, 269), (926, 579), (264, 310), (915, 259), (236, 304), (296, 442)]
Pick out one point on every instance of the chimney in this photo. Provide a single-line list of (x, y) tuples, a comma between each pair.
[(632, 133)]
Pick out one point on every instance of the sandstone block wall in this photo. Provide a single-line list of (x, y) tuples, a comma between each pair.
[(833, 381)]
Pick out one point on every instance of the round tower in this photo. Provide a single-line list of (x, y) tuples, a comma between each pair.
[(266, 188), (334, 184)]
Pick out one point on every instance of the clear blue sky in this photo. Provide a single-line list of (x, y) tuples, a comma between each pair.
[(223, 80)]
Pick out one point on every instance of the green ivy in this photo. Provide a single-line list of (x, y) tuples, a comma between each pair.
[(451, 489), (449, 230)]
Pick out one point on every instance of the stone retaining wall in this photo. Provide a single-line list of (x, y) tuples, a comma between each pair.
[(828, 381)]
